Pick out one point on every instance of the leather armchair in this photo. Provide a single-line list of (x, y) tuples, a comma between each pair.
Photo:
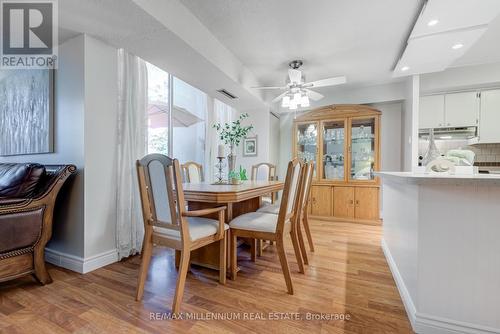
[(28, 194)]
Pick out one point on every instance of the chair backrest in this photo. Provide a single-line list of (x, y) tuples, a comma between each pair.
[(305, 188), (193, 172), (162, 196), (289, 199), (263, 171)]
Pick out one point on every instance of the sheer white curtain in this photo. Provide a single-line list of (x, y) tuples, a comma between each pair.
[(132, 144), (222, 113)]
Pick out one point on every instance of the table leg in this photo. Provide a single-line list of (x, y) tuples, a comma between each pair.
[(208, 256)]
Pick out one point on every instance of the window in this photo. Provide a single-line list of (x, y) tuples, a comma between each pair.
[(189, 122), (185, 124), (158, 110)]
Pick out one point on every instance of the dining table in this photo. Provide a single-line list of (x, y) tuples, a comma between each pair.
[(237, 198)]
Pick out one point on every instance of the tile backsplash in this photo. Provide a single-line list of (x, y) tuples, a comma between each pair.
[(485, 153)]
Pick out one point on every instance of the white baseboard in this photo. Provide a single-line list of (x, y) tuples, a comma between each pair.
[(79, 264), (425, 323), (411, 311), (68, 261)]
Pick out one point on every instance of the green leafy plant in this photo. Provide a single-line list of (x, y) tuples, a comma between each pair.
[(233, 133), (243, 174), (234, 175)]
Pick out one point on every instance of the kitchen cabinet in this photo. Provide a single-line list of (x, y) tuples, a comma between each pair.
[(461, 109), (431, 112), (489, 117), (449, 110), (344, 143), (321, 199)]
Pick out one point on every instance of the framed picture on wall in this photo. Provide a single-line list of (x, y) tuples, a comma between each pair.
[(250, 147), (26, 112)]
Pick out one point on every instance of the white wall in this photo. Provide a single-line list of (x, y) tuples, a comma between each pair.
[(391, 139), (410, 129), (101, 98), (479, 76), (85, 135), (274, 141), (259, 118), (68, 229)]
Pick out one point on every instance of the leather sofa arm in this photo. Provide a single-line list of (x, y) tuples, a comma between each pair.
[(20, 228)]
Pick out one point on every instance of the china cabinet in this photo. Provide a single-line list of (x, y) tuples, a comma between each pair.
[(343, 142)]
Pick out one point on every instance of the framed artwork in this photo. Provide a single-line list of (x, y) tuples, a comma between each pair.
[(250, 147), (26, 112)]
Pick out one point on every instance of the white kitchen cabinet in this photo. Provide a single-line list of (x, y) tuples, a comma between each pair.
[(431, 113), (461, 109), (489, 130)]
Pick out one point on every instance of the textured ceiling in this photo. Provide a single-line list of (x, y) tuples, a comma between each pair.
[(357, 38)]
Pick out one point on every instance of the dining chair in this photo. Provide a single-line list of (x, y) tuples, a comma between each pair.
[(260, 225), (303, 212), (193, 172), (168, 223), (264, 171)]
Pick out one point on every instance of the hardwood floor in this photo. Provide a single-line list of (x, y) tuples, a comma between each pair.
[(347, 274)]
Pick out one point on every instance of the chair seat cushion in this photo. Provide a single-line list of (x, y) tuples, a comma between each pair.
[(256, 221), (198, 228), (266, 200), (274, 209)]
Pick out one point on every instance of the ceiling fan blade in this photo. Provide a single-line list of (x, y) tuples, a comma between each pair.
[(295, 76), (279, 97), (327, 82), (314, 95), (269, 87)]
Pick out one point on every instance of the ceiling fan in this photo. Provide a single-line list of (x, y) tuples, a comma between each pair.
[(297, 91)]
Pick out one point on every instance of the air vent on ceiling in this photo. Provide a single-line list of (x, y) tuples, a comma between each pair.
[(227, 94)]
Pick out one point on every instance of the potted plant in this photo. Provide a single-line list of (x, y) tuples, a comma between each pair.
[(232, 134)]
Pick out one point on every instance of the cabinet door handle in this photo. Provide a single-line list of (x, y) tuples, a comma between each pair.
[(448, 124), (357, 202), (351, 202)]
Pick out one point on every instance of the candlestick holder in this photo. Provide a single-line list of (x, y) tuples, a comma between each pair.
[(219, 175)]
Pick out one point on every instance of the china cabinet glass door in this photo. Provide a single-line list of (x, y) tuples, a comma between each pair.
[(334, 150), (362, 147), (307, 142)]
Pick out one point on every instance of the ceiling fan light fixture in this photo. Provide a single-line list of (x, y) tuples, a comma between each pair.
[(304, 101), (297, 98), (285, 103)]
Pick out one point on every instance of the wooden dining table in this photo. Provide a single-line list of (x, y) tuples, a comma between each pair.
[(238, 199)]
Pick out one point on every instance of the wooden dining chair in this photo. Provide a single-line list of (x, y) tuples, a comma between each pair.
[(302, 212), (193, 172), (260, 225), (264, 171), (167, 223)]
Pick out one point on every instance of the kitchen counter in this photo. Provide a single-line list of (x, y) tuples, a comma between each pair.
[(445, 176), (441, 240)]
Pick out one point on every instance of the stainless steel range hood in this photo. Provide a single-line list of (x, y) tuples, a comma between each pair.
[(468, 133)]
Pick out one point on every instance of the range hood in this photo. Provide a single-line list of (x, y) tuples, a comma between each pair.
[(468, 133)]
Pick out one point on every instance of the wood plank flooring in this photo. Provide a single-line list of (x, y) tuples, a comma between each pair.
[(347, 274)]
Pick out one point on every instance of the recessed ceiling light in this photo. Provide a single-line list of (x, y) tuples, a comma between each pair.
[(457, 46), (432, 23), (405, 68)]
